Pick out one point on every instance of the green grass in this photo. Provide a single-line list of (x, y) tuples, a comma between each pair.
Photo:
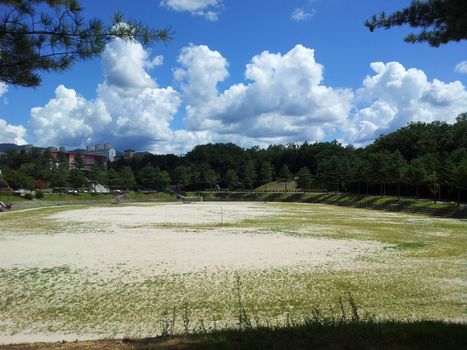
[(277, 186), (420, 275)]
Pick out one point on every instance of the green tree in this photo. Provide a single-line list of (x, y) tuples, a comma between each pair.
[(113, 178), (79, 162), (163, 180), (432, 182), (148, 177), (328, 169), (99, 174), (208, 176), (127, 178), (59, 178), (266, 173), (285, 175), (415, 175), (231, 179), (51, 35), (441, 21), (183, 176), (460, 178), (305, 179), (395, 169), (76, 178), (249, 174)]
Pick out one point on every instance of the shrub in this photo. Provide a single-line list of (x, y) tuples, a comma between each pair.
[(39, 195), (28, 196)]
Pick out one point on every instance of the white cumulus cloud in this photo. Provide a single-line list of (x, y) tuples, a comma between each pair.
[(204, 8), (300, 14), (461, 67), (283, 99), (394, 96), (130, 108), (12, 133)]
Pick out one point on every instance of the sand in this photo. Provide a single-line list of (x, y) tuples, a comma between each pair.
[(160, 239), (132, 238)]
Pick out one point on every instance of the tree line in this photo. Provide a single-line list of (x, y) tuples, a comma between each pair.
[(421, 159)]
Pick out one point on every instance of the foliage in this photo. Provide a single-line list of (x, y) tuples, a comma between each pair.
[(231, 179), (39, 194), (305, 179), (401, 163), (51, 35), (441, 21)]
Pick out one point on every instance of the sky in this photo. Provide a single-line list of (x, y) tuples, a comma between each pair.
[(250, 72)]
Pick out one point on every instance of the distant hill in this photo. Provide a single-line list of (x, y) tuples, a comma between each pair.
[(8, 146)]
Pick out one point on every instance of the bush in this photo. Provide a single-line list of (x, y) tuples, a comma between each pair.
[(28, 196), (39, 195)]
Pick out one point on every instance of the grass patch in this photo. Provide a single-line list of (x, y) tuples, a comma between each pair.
[(421, 277)]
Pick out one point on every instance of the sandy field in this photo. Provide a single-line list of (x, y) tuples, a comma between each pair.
[(138, 237), (113, 271)]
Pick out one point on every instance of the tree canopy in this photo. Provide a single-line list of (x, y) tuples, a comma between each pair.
[(441, 21), (51, 35)]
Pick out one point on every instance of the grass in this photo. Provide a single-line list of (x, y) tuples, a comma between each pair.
[(419, 276), (278, 186)]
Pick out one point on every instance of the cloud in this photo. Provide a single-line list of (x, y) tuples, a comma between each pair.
[(283, 101), (3, 88), (461, 67), (283, 98), (12, 133), (394, 96), (300, 14), (130, 109), (204, 8), (68, 119)]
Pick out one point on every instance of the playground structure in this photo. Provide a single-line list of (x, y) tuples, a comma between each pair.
[(5, 191)]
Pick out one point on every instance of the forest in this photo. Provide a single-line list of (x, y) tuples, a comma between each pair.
[(426, 160)]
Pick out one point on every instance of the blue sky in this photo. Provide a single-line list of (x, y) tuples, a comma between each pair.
[(313, 75)]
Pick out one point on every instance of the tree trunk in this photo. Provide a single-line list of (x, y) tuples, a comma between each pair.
[(458, 196), (398, 191), (417, 192)]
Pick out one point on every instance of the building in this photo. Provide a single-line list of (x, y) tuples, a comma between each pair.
[(105, 149), (89, 160)]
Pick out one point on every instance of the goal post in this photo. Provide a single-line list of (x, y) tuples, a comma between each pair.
[(188, 200)]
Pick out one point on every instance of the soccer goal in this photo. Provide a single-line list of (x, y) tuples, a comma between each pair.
[(418, 226), (188, 200)]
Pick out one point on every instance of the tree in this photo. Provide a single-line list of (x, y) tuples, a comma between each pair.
[(460, 178), (79, 161), (76, 178), (182, 176), (285, 175), (249, 174), (305, 179), (415, 174), (265, 174), (432, 182), (127, 178), (59, 178), (208, 176), (51, 35), (148, 177), (442, 21), (231, 179)]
